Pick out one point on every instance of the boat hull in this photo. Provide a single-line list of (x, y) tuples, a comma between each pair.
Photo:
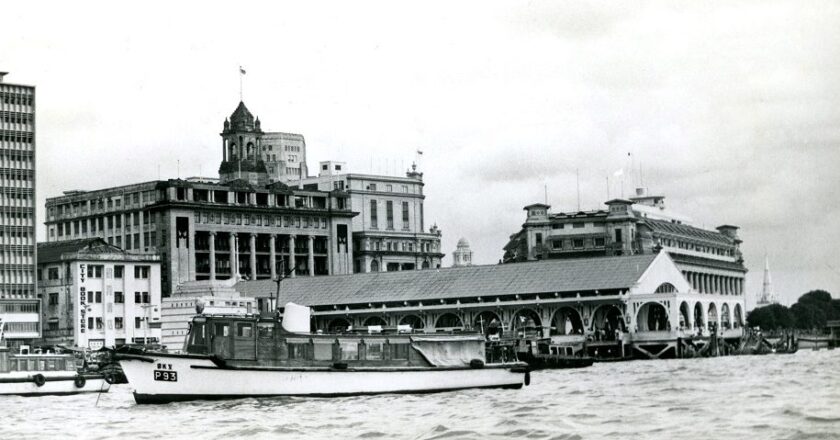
[(201, 378), (62, 384)]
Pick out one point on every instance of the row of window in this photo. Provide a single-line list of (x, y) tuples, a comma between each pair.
[(18, 308), (117, 323), (16, 117), (260, 220), (389, 215), (16, 98), (578, 243), (16, 136), (96, 270)]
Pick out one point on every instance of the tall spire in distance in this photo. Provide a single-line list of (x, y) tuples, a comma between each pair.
[(767, 295)]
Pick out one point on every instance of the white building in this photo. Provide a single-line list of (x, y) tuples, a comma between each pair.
[(463, 254), (390, 233), (96, 295)]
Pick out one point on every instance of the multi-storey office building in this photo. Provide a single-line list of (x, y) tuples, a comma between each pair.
[(96, 295), (17, 191), (247, 223), (710, 260), (389, 232)]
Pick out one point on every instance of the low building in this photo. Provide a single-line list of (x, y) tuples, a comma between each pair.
[(216, 297), (97, 295), (642, 301), (389, 234)]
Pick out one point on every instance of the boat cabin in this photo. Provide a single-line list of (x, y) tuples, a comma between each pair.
[(10, 362), (250, 340)]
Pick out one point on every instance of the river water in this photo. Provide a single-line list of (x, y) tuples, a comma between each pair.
[(768, 397)]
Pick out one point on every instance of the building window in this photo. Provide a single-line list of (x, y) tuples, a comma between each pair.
[(141, 272), (90, 322), (600, 242), (372, 187), (405, 216), (98, 296), (557, 226), (577, 243), (53, 299), (94, 271), (137, 320), (119, 298), (389, 213), (99, 323), (118, 323), (557, 244), (52, 273), (118, 271), (578, 225)]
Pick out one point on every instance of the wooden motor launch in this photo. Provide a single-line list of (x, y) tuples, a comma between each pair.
[(237, 356)]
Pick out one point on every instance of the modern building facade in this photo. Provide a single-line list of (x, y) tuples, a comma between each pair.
[(17, 191), (710, 260), (246, 224), (389, 234), (97, 295)]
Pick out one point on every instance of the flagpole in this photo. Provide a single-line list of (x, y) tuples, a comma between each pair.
[(240, 83)]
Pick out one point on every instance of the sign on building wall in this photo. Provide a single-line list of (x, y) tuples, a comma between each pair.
[(82, 298)]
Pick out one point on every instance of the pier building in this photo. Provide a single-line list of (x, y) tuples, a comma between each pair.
[(710, 260), (389, 234), (97, 295), (638, 305)]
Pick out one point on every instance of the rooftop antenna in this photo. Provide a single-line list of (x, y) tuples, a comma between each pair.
[(179, 168), (577, 180), (545, 187)]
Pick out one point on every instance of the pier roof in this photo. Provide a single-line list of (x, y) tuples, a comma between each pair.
[(548, 276)]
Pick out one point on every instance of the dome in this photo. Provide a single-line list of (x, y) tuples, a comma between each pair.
[(463, 243)]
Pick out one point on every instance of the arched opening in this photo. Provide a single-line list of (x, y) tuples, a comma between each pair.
[(414, 321), (712, 315), (251, 152), (725, 319), (566, 321), (374, 320), (739, 321), (666, 288), (488, 323), (652, 317), (374, 266), (233, 153), (425, 265), (684, 315), (699, 321), (338, 325), (449, 322), (526, 323), (606, 319)]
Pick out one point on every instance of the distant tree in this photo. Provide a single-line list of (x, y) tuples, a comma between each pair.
[(771, 317)]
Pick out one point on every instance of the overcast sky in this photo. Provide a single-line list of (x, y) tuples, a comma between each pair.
[(732, 109)]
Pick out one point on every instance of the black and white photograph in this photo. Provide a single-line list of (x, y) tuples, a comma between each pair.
[(557, 220)]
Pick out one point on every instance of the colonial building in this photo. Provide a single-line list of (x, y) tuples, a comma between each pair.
[(462, 255), (17, 192), (248, 223), (710, 260), (389, 234), (97, 295), (639, 304)]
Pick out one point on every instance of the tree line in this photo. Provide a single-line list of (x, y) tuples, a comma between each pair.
[(811, 311)]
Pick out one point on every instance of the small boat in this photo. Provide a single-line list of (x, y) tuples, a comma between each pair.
[(541, 353), (237, 356), (38, 374)]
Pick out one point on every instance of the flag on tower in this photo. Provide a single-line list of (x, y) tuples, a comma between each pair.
[(619, 172), (419, 152), (241, 70)]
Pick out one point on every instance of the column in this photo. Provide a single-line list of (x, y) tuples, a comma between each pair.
[(272, 256), (252, 247), (212, 239), (141, 230), (311, 261), (292, 262), (234, 260)]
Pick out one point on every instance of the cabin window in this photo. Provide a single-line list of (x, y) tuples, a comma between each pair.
[(245, 330), (222, 330), (323, 350), (374, 350), (399, 351), (198, 333), (297, 351), (266, 331), (350, 351)]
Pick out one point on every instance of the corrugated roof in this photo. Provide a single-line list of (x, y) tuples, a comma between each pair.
[(573, 275), (51, 252), (689, 231)]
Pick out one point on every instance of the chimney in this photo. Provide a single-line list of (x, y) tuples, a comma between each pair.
[(2, 74)]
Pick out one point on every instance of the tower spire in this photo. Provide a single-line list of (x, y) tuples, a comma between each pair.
[(767, 295)]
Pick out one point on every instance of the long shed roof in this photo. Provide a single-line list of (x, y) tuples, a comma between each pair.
[(548, 276)]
